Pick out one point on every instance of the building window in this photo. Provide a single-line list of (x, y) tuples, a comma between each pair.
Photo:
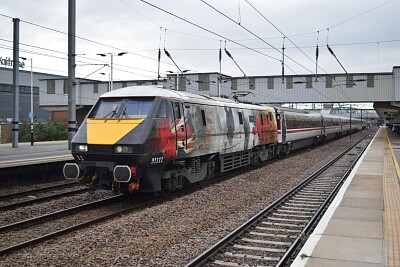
[(370, 80), (252, 83), (270, 84), (289, 82), (182, 83), (328, 82), (51, 87), (349, 81), (308, 82), (65, 88), (234, 84), (204, 82), (95, 88)]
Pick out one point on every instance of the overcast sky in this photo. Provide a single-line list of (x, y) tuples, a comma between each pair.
[(364, 35)]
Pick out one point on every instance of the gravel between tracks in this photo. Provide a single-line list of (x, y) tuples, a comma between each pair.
[(174, 232)]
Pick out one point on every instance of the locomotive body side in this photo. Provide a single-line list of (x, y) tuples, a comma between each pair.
[(151, 139)]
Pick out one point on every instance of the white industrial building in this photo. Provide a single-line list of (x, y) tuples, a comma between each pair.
[(51, 91), (6, 94)]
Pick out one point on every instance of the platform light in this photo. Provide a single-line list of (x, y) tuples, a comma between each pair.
[(112, 55)]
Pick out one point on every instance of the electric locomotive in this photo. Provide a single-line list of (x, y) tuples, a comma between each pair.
[(150, 139)]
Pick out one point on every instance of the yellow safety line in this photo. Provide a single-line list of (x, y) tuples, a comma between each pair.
[(393, 156)]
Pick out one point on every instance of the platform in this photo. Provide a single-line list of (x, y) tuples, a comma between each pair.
[(362, 225), (39, 153)]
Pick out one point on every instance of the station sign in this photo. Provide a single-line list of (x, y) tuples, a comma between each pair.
[(6, 62)]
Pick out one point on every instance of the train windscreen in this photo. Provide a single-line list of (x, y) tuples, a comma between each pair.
[(122, 108)]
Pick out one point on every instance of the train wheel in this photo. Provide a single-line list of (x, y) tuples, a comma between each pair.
[(166, 187)]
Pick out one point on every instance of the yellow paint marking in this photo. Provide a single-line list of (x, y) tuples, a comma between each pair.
[(109, 131), (396, 164)]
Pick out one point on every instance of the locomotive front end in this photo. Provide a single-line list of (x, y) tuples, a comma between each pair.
[(111, 148)]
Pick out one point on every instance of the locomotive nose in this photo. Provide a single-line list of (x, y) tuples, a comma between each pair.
[(71, 171)]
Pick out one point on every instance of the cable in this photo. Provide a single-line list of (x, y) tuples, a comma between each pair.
[(356, 16), (209, 31), (292, 43), (263, 41)]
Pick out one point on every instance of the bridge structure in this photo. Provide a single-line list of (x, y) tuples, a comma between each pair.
[(380, 88)]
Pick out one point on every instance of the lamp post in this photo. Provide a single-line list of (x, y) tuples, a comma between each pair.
[(112, 55), (31, 113), (109, 80)]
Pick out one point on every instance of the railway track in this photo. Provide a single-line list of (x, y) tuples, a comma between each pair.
[(27, 233), (37, 191), (39, 195), (272, 237)]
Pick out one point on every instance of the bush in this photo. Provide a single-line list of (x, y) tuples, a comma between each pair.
[(48, 131)]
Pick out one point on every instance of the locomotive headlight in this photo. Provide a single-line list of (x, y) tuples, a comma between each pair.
[(123, 149), (81, 148)]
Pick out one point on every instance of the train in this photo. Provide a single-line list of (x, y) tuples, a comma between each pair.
[(150, 139)]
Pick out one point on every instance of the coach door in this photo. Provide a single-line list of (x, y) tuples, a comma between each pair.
[(282, 125), (180, 128)]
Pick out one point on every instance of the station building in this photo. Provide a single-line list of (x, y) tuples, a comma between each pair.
[(51, 91), (6, 94)]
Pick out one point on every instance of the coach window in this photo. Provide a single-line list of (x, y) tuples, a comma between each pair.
[(240, 118), (162, 113), (270, 116), (177, 111), (261, 119), (203, 117)]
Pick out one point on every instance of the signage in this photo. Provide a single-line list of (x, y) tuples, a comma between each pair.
[(8, 62)]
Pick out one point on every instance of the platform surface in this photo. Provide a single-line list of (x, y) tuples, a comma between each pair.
[(362, 225), (39, 153)]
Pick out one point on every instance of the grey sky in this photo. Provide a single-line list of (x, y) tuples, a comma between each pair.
[(364, 35)]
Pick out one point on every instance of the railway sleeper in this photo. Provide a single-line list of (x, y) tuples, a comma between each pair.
[(260, 243), (295, 211), (313, 190), (307, 196), (272, 235), (287, 220), (305, 201), (275, 250), (248, 256), (278, 229), (291, 215), (303, 204), (282, 224), (311, 209), (300, 198), (311, 195), (233, 259), (268, 242)]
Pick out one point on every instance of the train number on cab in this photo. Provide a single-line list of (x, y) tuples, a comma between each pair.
[(157, 160)]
